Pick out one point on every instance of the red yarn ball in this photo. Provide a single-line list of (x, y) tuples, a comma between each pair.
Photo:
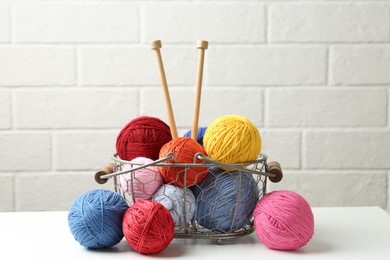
[(142, 137), (185, 149), (148, 227)]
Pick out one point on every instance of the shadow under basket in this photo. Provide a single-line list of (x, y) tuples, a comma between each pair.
[(259, 170)]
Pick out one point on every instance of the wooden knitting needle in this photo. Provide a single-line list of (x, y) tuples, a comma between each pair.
[(156, 46), (202, 46)]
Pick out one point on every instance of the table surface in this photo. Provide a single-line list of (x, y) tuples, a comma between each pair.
[(339, 233)]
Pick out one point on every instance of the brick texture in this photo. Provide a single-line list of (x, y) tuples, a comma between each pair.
[(76, 22), (37, 66), (313, 76), (4, 23), (345, 22)]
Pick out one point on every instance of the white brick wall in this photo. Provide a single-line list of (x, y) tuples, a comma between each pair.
[(5, 109), (228, 23), (360, 65), (310, 107), (268, 65), (33, 65), (75, 22), (317, 86), (329, 22), (81, 108), (4, 23)]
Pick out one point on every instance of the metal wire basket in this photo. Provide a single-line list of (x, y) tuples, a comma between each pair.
[(259, 169)]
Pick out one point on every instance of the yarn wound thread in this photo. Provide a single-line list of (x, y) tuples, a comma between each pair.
[(199, 137), (225, 200), (95, 218), (148, 227), (172, 198), (232, 139), (142, 183), (283, 220), (142, 137), (185, 149)]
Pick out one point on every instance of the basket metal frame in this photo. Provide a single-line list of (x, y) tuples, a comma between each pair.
[(258, 168)]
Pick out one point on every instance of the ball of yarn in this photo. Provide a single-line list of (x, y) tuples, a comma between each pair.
[(225, 200), (172, 198), (185, 149), (142, 137), (148, 227), (283, 220), (199, 137), (95, 218), (142, 183), (232, 139)]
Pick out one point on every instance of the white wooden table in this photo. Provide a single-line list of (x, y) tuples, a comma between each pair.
[(340, 233)]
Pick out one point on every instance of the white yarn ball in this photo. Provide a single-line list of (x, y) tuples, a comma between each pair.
[(172, 198)]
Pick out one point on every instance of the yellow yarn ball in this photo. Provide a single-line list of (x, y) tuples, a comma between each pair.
[(232, 139)]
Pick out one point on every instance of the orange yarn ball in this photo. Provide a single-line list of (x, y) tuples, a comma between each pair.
[(148, 227), (185, 149)]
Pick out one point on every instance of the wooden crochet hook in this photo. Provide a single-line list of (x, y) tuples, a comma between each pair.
[(202, 47), (156, 46)]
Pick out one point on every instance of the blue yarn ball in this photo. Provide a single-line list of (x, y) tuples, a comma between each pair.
[(199, 137), (95, 218), (225, 200)]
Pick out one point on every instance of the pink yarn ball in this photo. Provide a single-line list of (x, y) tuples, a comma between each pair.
[(283, 220), (145, 181)]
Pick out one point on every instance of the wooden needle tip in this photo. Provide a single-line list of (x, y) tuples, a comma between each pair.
[(202, 44), (155, 45)]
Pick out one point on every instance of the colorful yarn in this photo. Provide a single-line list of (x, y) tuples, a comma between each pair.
[(185, 149), (225, 200), (172, 198), (199, 137), (95, 218), (142, 137), (142, 183), (232, 139), (148, 227), (283, 220)]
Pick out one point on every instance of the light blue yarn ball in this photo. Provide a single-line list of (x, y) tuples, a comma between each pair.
[(95, 218), (172, 198), (199, 137), (225, 200)]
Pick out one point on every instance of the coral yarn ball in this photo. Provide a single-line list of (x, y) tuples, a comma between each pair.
[(185, 150), (232, 139), (142, 137), (148, 227), (283, 220), (142, 183), (95, 218)]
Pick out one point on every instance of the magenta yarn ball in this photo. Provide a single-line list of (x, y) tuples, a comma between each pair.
[(283, 220), (142, 183)]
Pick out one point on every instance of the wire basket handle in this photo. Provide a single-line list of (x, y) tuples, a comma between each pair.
[(273, 171), (106, 172)]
